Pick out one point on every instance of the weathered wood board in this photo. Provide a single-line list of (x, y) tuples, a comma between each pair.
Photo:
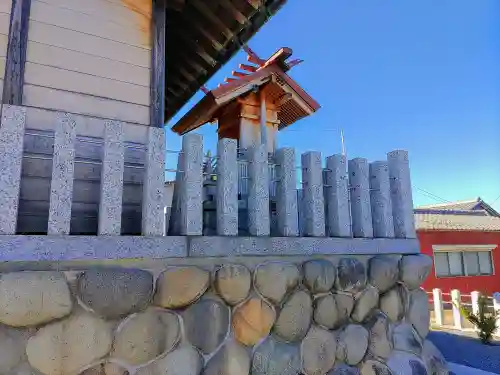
[(90, 57)]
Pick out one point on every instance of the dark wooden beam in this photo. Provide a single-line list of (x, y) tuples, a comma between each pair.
[(191, 78), (16, 52), (177, 81), (157, 106), (235, 11), (207, 12), (255, 3), (196, 27), (181, 58), (200, 51), (205, 31), (177, 5), (174, 92)]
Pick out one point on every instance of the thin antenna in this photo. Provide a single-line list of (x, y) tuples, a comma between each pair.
[(344, 154), (342, 140)]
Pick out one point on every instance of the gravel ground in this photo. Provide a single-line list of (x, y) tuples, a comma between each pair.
[(467, 351)]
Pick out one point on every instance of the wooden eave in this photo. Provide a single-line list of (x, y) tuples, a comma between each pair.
[(202, 36), (278, 83)]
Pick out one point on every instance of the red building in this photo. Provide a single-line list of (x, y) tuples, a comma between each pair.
[(464, 240)]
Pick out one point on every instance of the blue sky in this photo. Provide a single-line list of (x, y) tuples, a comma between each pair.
[(420, 75)]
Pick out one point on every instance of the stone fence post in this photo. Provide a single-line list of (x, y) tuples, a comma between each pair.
[(496, 307), (380, 200), (190, 203), (474, 300), (153, 204), (360, 198), (437, 299), (63, 170), (286, 193), (401, 195), (11, 157), (338, 213), (110, 204), (456, 300), (259, 220), (313, 199), (227, 188)]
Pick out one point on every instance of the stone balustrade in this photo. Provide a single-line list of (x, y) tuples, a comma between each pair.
[(342, 198), (283, 316)]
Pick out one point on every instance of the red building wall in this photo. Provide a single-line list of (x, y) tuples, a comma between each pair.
[(466, 284)]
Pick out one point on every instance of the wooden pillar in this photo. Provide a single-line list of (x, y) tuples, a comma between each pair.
[(158, 25), (16, 52)]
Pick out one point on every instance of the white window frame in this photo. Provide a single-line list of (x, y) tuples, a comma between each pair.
[(462, 249)]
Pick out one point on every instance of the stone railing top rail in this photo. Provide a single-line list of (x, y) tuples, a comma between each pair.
[(69, 248)]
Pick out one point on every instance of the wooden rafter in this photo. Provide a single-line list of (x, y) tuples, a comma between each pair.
[(199, 50), (248, 68), (183, 59), (229, 80), (180, 84), (236, 13), (238, 74), (205, 10), (215, 35), (293, 63), (196, 23), (255, 3), (176, 4), (200, 69), (186, 74), (174, 92), (195, 40), (253, 57), (210, 37)]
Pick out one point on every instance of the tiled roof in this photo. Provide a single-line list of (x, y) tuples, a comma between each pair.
[(439, 221), (470, 215), (460, 205), (468, 205)]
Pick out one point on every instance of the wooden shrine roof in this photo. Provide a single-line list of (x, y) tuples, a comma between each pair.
[(203, 35), (269, 75)]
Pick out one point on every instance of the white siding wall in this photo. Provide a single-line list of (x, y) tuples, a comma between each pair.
[(90, 57), (5, 6)]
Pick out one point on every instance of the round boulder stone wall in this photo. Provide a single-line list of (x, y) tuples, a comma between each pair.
[(336, 314)]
